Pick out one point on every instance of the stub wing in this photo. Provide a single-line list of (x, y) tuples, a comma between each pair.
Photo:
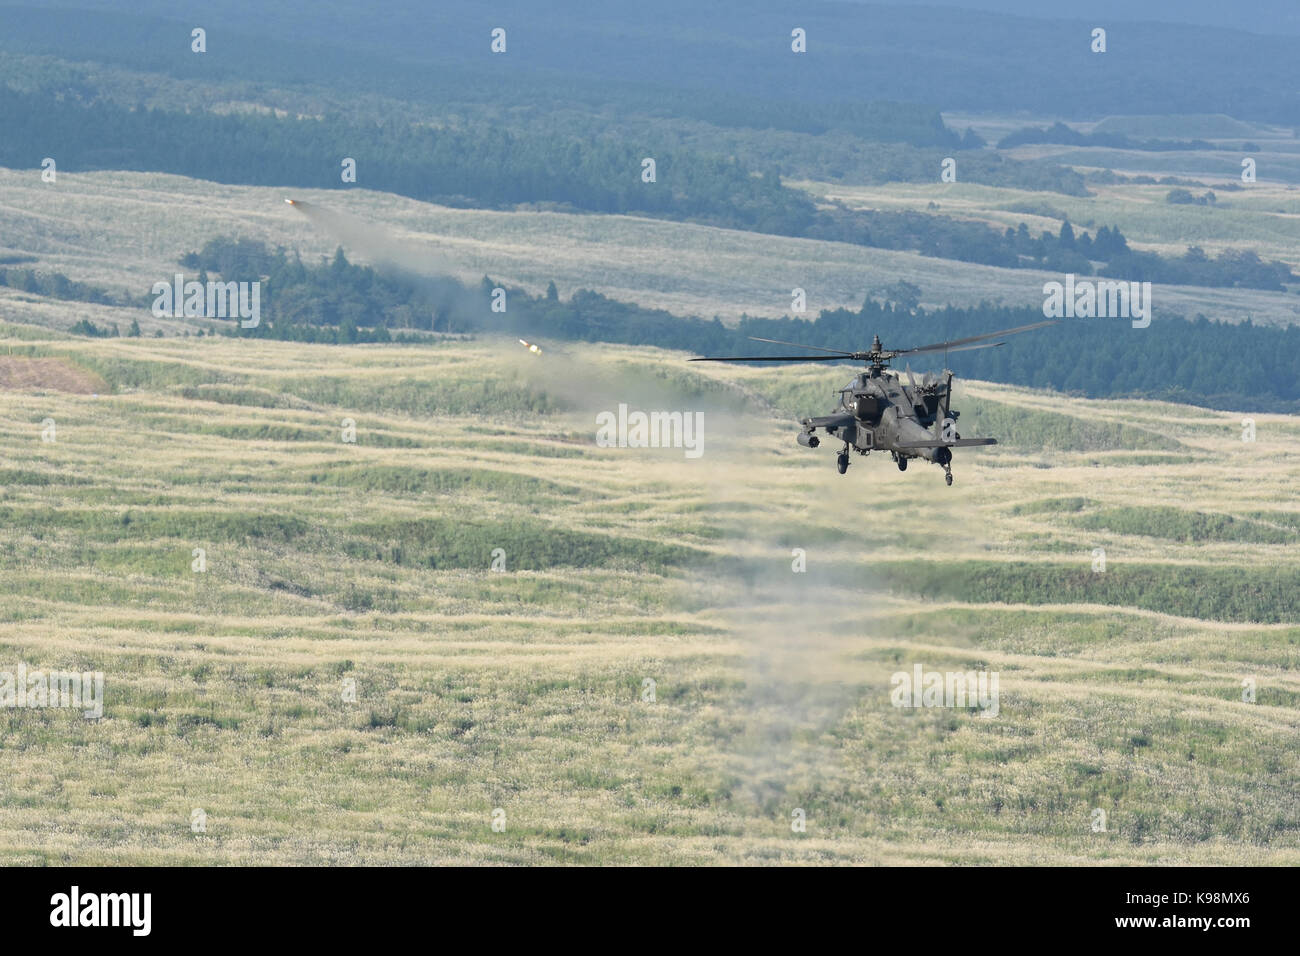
[(830, 421), (955, 443)]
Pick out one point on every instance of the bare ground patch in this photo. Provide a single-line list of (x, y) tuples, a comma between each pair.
[(18, 373)]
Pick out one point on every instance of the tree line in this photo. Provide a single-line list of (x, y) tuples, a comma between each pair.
[(1196, 361), (485, 166)]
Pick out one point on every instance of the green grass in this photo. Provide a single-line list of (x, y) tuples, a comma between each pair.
[(1177, 524), (1263, 594), (1051, 506), (522, 689), (1058, 432), (469, 543)]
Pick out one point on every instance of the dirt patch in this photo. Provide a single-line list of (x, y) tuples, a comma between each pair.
[(24, 373)]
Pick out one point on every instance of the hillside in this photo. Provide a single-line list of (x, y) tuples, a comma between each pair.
[(327, 561), (125, 229)]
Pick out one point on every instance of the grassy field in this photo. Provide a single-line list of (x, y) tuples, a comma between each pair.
[(349, 681), (126, 230), (1265, 218)]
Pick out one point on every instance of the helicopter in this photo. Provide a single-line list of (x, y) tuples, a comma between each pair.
[(877, 412)]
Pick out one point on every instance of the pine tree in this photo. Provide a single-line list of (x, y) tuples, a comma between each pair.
[(1066, 238)]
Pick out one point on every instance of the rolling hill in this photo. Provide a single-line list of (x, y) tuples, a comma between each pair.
[(346, 679)]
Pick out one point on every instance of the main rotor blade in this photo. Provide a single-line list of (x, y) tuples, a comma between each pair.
[(968, 348), (940, 346), (798, 345), (775, 358)]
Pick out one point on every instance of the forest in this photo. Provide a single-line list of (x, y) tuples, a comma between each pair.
[(1193, 360), (1062, 134), (563, 53), (485, 166), (1197, 361)]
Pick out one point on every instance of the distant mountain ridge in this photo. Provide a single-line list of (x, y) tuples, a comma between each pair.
[(942, 56)]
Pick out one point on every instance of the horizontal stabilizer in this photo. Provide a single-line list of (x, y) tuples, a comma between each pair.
[(957, 443)]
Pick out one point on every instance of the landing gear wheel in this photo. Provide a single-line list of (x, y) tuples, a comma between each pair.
[(948, 478), (902, 464), (842, 462)]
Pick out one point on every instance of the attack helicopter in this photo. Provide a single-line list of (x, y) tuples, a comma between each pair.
[(878, 412)]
